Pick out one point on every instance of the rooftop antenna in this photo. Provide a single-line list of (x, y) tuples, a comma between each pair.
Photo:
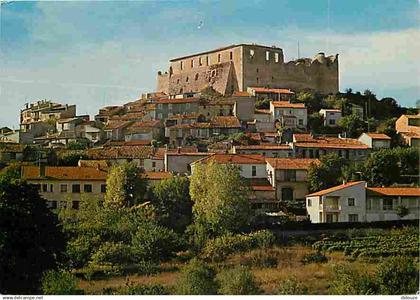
[(298, 50), (328, 26)]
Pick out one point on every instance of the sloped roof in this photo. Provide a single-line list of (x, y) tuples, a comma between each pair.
[(225, 122), (134, 152), (286, 104), (308, 141), (378, 136), (335, 188), (396, 191), (269, 90), (291, 163), (64, 173), (177, 100), (233, 159), (264, 147), (156, 175)]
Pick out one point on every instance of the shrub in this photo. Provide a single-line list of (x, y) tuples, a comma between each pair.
[(261, 259), (263, 238), (196, 279), (291, 286), (60, 283), (154, 242), (238, 281), (398, 276), (153, 289), (348, 281), (112, 253), (316, 257)]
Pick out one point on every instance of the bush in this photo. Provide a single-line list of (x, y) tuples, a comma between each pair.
[(112, 253), (60, 283), (153, 289), (197, 279), (291, 286), (238, 281), (316, 257), (154, 242), (348, 281), (261, 259), (221, 247), (398, 276)]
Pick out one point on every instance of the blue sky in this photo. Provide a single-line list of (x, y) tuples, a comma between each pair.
[(95, 53)]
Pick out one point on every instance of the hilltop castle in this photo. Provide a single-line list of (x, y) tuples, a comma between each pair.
[(237, 67)]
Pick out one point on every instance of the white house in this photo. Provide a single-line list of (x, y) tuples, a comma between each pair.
[(290, 115), (375, 140), (331, 116), (355, 202)]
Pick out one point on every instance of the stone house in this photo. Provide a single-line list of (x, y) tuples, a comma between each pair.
[(271, 94), (330, 116), (144, 130), (289, 115), (408, 126), (266, 149), (168, 107)]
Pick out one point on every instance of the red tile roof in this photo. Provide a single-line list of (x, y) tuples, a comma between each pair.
[(378, 136), (335, 188), (396, 191), (133, 152), (268, 90), (291, 163), (64, 173), (241, 94), (234, 159), (264, 147), (156, 175), (177, 101), (262, 111), (308, 141), (114, 124), (286, 104)]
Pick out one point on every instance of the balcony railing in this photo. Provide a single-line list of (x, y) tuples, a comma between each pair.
[(330, 207)]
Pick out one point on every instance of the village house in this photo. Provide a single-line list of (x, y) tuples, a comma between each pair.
[(266, 149), (244, 106), (262, 93), (408, 126), (375, 140), (11, 152), (64, 187), (168, 107), (289, 115), (178, 162), (264, 121), (355, 202), (216, 107), (330, 116), (144, 130), (309, 146), (107, 112), (114, 129), (289, 176)]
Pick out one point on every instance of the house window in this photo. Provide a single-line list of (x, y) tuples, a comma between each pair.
[(187, 106), (87, 188), (286, 194), (276, 57), (332, 122), (300, 122), (45, 187), (63, 188), (51, 188), (387, 204), (153, 164), (231, 55), (309, 202), (251, 53), (350, 201), (254, 171), (267, 55), (75, 188), (103, 188), (289, 175), (170, 106), (368, 204), (353, 218), (75, 204), (159, 106), (219, 57)]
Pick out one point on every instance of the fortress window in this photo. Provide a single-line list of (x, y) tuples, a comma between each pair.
[(276, 57), (251, 53), (177, 81), (186, 79), (196, 76), (231, 55), (207, 60), (182, 65), (192, 63), (219, 57), (200, 63), (257, 70), (267, 55), (257, 79)]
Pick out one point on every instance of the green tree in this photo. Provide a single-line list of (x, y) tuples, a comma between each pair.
[(315, 122), (292, 286), (381, 168), (220, 196), (124, 186), (78, 145), (237, 281), (352, 125), (349, 281), (60, 283), (31, 240), (327, 173), (197, 279), (398, 276), (172, 202)]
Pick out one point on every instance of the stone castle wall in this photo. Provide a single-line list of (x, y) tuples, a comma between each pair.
[(236, 68)]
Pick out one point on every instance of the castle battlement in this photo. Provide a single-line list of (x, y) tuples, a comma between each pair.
[(237, 67)]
